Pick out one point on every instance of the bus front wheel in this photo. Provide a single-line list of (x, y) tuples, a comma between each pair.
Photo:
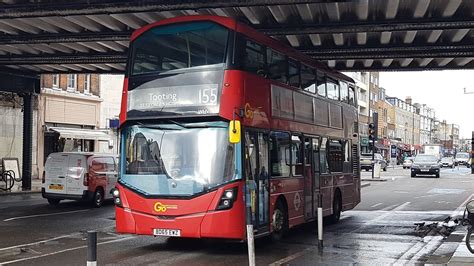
[(279, 221)]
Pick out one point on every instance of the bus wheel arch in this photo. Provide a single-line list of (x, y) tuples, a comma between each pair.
[(336, 207), (279, 218)]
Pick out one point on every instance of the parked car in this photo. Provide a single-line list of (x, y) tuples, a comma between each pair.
[(79, 176), (366, 161), (447, 162), (407, 162), (425, 164), (462, 158)]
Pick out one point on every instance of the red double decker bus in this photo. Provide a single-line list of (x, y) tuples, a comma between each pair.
[(187, 169)]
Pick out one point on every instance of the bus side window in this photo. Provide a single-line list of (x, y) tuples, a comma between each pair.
[(321, 84), (296, 156), (336, 156), (332, 89), (280, 154), (254, 58), (344, 92), (293, 73), (352, 96), (277, 65), (323, 162), (308, 79)]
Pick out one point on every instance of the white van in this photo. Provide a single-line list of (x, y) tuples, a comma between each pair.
[(79, 176)]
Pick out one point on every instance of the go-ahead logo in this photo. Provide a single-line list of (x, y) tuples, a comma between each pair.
[(160, 207)]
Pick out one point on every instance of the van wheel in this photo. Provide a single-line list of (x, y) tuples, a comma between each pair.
[(336, 208), (279, 221), (98, 198), (53, 202)]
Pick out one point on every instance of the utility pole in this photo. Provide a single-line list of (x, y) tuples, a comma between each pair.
[(472, 153)]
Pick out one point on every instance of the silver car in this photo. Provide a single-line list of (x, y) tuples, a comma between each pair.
[(366, 161), (407, 162)]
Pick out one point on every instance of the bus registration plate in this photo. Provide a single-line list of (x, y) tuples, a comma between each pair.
[(166, 232)]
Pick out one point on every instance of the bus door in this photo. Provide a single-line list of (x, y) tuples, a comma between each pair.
[(324, 183), (256, 168), (308, 179), (312, 177)]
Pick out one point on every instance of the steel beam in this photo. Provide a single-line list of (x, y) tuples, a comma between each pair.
[(75, 8), (81, 58), (368, 26), (341, 66), (65, 37), (431, 51)]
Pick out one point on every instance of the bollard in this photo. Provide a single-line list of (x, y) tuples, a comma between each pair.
[(250, 245), (91, 248), (320, 228)]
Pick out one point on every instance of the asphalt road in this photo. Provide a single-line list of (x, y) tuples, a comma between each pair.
[(381, 229)]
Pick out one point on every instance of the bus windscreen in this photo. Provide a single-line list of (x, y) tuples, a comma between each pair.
[(179, 46)]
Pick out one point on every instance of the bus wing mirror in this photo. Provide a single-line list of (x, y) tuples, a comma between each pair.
[(234, 131)]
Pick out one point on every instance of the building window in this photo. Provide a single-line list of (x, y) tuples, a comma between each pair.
[(87, 84), (55, 81), (71, 82)]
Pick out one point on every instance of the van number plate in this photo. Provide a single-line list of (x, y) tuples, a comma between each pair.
[(57, 187), (166, 232)]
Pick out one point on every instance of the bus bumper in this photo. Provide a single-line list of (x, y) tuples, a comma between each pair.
[(215, 224)]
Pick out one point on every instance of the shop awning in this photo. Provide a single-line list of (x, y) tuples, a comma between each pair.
[(79, 133)]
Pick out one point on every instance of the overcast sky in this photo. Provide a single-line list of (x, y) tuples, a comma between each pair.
[(441, 90)]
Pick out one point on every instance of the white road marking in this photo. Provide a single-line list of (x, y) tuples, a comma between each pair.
[(400, 207), (426, 196), (38, 242), (42, 215), (375, 205), (290, 258), (427, 247), (65, 250)]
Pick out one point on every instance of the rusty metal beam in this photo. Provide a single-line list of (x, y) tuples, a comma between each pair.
[(417, 51), (79, 58), (367, 26), (65, 37), (94, 7)]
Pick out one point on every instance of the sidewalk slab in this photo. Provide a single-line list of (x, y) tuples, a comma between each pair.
[(18, 190), (365, 185)]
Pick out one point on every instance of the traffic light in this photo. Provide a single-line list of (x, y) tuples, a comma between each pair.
[(372, 132)]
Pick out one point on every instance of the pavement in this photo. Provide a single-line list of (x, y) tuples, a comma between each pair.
[(17, 189), (380, 230)]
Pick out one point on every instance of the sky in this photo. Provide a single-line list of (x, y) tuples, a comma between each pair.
[(441, 90)]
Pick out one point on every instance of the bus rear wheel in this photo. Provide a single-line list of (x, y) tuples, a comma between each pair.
[(279, 221), (336, 208)]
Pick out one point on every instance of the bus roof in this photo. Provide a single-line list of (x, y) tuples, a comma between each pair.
[(249, 32)]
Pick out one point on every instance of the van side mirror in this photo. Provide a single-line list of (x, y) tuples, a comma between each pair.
[(234, 131)]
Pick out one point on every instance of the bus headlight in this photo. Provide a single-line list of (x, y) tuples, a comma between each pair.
[(227, 199), (116, 195)]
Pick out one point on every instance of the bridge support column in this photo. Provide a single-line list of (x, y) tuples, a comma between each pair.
[(26, 85), (27, 141)]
